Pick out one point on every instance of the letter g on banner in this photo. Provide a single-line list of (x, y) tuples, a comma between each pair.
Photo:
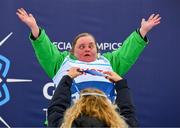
[(4, 68)]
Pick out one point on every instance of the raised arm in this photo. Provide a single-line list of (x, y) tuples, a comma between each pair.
[(124, 57), (61, 99), (125, 103), (48, 55), (124, 99), (29, 20), (146, 26)]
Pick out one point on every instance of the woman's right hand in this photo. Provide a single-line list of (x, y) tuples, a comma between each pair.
[(29, 20), (74, 72)]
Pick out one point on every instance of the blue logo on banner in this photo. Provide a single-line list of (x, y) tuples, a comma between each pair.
[(4, 68)]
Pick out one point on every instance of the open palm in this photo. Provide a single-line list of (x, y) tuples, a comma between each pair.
[(28, 19), (152, 21)]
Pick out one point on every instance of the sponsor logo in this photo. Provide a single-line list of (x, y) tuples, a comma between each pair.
[(102, 46), (4, 68), (48, 90)]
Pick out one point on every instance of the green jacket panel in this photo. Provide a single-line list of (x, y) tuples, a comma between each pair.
[(47, 54), (124, 57), (121, 60)]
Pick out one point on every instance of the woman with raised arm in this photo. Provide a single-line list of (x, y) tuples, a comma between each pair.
[(84, 54)]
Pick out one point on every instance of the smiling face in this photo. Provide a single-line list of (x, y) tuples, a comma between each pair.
[(85, 48)]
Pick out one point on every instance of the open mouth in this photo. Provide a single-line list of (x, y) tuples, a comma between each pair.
[(87, 55)]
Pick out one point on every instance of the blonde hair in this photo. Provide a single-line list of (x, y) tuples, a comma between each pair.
[(94, 106)]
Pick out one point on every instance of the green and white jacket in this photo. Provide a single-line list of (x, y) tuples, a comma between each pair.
[(56, 63)]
